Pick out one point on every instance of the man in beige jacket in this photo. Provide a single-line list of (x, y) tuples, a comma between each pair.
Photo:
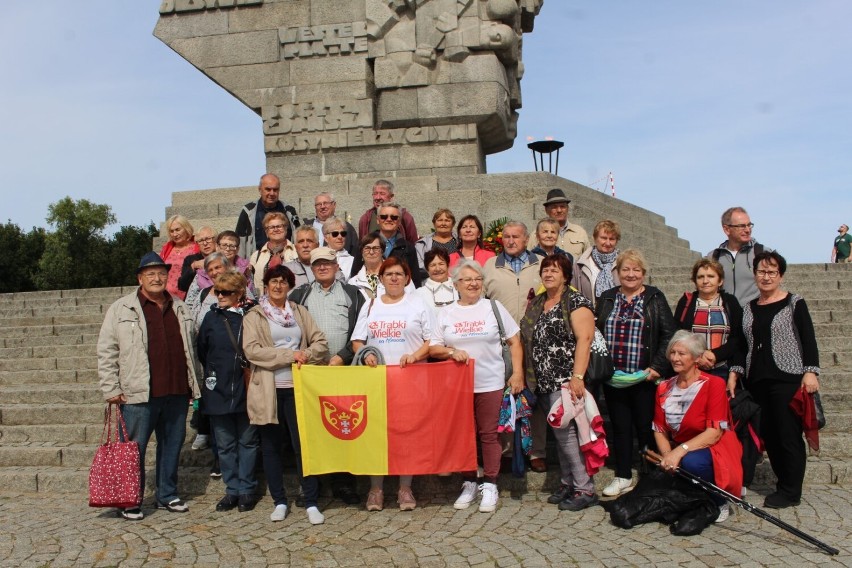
[(147, 364)]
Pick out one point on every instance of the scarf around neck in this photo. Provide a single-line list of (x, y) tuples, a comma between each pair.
[(605, 262), (282, 316)]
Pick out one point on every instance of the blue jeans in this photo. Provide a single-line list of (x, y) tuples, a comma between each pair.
[(238, 443), (700, 464), (272, 448), (164, 416)]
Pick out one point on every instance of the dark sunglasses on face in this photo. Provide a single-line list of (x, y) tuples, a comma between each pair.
[(337, 233), (391, 217), (225, 293)]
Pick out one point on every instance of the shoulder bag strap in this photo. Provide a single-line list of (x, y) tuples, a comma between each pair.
[(499, 322), (237, 347)]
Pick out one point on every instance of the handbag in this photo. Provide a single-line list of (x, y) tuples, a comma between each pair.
[(600, 366), (504, 344), (820, 413), (114, 477)]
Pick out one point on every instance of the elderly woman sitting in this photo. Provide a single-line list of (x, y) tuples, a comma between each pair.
[(692, 428), (692, 421)]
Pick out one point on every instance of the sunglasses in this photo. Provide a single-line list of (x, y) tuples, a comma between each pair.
[(391, 217), (225, 293), (337, 233)]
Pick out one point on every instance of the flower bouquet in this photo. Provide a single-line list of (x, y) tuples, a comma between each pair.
[(493, 238)]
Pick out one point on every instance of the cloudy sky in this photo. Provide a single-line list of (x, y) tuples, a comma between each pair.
[(694, 107)]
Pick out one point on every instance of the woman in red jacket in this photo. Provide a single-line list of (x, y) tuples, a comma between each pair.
[(692, 424)]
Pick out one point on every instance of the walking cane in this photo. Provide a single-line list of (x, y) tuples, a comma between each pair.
[(656, 458)]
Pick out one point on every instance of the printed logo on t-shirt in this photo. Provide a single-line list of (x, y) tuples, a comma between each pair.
[(469, 328), (387, 331)]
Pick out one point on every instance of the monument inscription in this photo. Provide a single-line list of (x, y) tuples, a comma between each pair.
[(347, 76)]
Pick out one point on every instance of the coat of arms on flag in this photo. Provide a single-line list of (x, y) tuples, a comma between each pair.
[(386, 420)]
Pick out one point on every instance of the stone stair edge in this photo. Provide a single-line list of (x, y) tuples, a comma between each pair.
[(196, 480)]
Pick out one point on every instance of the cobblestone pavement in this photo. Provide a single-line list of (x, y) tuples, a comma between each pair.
[(44, 530)]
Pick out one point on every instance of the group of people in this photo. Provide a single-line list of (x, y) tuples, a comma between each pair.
[(223, 318)]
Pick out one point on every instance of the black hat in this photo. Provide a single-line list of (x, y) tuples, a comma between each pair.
[(151, 259), (556, 196)]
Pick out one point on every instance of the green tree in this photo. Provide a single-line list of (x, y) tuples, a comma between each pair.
[(75, 253), (128, 245), (19, 256)]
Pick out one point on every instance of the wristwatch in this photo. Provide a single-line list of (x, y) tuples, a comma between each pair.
[(685, 448), (577, 376), (452, 352)]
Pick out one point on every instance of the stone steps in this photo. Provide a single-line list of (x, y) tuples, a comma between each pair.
[(195, 480), (89, 376)]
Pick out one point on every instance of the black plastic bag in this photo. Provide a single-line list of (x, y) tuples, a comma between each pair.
[(660, 497)]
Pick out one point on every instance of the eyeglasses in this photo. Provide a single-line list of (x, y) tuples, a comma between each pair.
[(225, 293), (323, 264), (277, 282), (391, 217), (337, 233), (767, 273), (228, 247), (275, 227), (477, 280), (393, 275), (204, 240), (742, 226), (372, 249), (154, 275), (324, 204)]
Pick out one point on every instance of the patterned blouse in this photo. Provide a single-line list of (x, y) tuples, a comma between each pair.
[(553, 346), (624, 333), (711, 322)]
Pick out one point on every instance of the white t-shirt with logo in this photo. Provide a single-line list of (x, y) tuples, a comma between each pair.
[(474, 329), (395, 329)]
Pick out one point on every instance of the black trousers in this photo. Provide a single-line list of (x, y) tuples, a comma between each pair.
[(782, 433), (630, 408)]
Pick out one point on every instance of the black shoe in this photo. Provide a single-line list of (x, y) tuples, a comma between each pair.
[(227, 503), (215, 471), (578, 502), (778, 501), (347, 495), (176, 505), (132, 514), (247, 503), (560, 495)]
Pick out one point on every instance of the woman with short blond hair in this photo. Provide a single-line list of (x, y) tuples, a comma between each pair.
[(180, 245)]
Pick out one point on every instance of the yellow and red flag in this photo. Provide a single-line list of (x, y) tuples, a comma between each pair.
[(386, 420)]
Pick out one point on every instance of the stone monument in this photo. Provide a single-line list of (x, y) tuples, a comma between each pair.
[(357, 88), (416, 91)]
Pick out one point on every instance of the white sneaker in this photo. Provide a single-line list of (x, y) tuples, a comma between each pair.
[(468, 495), (743, 492), (724, 513), (617, 486), (201, 442), (279, 514), (314, 516), (489, 498)]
